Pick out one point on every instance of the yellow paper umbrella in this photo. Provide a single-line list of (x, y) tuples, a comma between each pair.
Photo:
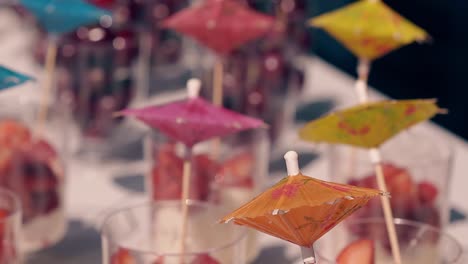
[(369, 29), (301, 209), (368, 126)]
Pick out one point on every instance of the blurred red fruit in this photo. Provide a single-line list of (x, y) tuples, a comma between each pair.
[(204, 259), (13, 133), (122, 257), (360, 251), (427, 193)]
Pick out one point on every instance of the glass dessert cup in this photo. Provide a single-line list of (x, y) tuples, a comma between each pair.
[(150, 233), (419, 243), (262, 80), (95, 76), (417, 169), (231, 179), (32, 166), (10, 226)]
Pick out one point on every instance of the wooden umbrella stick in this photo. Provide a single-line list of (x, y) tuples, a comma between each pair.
[(51, 57), (361, 89), (363, 69), (218, 83), (185, 197), (218, 101), (387, 209)]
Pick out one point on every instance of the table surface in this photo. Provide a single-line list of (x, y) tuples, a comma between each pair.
[(95, 189)]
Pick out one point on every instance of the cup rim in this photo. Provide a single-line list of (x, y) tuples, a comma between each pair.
[(411, 223), (242, 233)]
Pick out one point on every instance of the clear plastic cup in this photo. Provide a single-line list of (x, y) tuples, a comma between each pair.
[(32, 164), (150, 233), (419, 243), (228, 179)]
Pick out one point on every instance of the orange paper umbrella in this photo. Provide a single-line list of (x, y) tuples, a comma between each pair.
[(301, 209)]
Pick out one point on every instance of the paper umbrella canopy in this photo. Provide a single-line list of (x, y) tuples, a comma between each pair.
[(369, 28), (221, 25), (62, 16), (369, 125), (301, 209), (9, 78), (193, 120)]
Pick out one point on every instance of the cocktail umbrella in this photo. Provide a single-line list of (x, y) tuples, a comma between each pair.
[(58, 17), (222, 26), (10, 78), (369, 29), (301, 209), (368, 126), (192, 121)]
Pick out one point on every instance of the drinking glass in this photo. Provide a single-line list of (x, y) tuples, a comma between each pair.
[(417, 169), (419, 243), (151, 233), (10, 226), (33, 153), (95, 76), (228, 172)]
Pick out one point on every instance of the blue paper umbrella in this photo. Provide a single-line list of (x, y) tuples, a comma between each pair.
[(62, 16), (9, 78)]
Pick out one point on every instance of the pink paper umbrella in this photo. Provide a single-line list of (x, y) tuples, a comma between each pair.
[(191, 121), (221, 25)]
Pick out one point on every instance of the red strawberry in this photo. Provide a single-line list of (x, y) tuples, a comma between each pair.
[(42, 150), (237, 171), (400, 185), (360, 251), (13, 133), (159, 260), (122, 257), (427, 193), (204, 259)]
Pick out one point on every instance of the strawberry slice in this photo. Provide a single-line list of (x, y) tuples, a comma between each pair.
[(122, 257), (204, 259), (427, 193), (237, 171), (13, 133), (159, 260), (360, 251)]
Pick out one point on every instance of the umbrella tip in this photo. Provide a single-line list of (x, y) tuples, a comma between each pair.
[(193, 87), (292, 163)]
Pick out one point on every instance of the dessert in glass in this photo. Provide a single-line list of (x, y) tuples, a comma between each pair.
[(150, 234), (10, 226), (365, 241), (417, 172), (231, 178), (32, 165)]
